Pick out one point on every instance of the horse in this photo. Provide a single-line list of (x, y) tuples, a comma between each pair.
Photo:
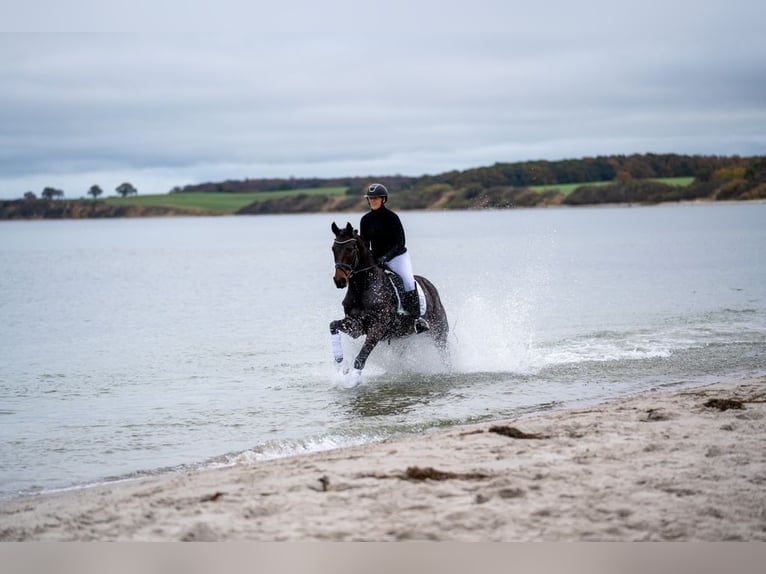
[(371, 304)]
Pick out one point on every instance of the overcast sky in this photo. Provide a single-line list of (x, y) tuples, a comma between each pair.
[(332, 88)]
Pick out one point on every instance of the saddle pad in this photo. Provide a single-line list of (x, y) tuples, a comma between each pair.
[(421, 294), (421, 299)]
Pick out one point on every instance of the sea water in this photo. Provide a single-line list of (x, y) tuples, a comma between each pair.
[(137, 346)]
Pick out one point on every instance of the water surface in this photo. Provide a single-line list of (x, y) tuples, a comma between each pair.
[(141, 345)]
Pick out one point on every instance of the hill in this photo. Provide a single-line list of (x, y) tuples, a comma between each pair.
[(85, 208), (648, 178), (644, 178)]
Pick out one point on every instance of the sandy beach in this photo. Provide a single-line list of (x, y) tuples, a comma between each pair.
[(688, 465)]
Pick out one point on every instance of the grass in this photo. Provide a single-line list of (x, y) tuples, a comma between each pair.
[(220, 202), (679, 181), (567, 188)]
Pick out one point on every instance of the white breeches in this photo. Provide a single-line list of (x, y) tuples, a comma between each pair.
[(402, 266)]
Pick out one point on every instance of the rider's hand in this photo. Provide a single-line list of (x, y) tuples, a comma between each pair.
[(382, 260)]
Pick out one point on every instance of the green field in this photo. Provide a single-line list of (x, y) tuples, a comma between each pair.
[(679, 181), (221, 202), (567, 188)]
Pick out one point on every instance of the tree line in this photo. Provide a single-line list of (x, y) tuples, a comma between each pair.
[(529, 174), (124, 189), (526, 174), (604, 179), (715, 179)]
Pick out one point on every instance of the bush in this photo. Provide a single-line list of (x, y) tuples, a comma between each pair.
[(645, 191), (301, 203), (422, 198)]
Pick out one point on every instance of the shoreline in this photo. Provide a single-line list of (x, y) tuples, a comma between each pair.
[(67, 213), (684, 465)]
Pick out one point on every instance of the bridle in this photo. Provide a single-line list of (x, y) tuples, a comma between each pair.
[(351, 270)]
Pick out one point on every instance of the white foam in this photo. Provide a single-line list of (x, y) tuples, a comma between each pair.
[(287, 448)]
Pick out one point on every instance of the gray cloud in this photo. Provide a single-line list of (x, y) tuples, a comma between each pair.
[(347, 88)]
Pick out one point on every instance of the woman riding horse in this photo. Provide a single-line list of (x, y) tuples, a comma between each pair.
[(371, 302)]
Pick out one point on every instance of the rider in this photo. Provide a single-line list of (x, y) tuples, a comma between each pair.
[(383, 234)]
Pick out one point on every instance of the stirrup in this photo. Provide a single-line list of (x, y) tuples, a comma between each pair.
[(421, 325)]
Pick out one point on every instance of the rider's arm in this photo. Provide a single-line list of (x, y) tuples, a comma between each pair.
[(396, 233)]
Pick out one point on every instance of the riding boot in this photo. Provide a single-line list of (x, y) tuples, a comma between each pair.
[(411, 304)]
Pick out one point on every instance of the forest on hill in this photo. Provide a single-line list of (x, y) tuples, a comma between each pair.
[(638, 178), (609, 179), (526, 174)]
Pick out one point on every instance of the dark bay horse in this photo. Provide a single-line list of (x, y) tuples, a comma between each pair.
[(371, 303)]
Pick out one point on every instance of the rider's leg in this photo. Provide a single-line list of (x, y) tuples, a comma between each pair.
[(402, 266), (411, 304)]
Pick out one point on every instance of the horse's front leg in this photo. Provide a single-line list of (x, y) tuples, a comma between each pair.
[(349, 325), (374, 335)]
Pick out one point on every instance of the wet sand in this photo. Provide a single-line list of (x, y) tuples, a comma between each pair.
[(688, 465)]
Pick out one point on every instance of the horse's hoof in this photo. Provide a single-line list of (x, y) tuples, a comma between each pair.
[(354, 378)]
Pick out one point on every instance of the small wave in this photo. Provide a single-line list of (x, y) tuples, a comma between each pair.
[(602, 354), (739, 311), (286, 448)]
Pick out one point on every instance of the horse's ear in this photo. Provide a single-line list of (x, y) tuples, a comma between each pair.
[(349, 228), (335, 228)]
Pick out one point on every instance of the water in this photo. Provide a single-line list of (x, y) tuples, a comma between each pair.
[(139, 346)]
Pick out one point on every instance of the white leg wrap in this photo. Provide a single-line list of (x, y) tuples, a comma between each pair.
[(337, 348)]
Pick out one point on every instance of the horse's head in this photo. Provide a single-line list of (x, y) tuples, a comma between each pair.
[(346, 250)]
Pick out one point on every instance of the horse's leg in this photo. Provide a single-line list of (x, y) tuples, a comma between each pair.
[(337, 348), (347, 325), (374, 335)]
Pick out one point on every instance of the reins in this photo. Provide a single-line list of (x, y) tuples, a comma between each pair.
[(355, 271)]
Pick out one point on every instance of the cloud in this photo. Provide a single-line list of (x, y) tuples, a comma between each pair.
[(347, 88)]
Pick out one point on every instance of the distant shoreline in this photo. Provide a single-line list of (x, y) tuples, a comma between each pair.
[(21, 209), (636, 179), (24, 210)]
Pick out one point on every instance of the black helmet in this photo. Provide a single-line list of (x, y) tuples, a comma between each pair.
[(377, 190)]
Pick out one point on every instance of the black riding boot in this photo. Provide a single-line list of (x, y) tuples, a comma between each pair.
[(411, 304)]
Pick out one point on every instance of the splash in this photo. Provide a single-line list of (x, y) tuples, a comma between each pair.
[(493, 334)]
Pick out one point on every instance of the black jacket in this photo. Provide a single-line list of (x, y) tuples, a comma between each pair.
[(383, 233)]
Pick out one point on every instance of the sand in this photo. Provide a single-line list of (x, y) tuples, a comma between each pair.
[(688, 465)]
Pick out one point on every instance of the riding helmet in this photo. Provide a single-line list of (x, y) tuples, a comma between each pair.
[(377, 190)]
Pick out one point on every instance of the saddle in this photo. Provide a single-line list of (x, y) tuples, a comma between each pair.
[(398, 285)]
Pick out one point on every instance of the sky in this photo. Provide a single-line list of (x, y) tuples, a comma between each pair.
[(168, 93)]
